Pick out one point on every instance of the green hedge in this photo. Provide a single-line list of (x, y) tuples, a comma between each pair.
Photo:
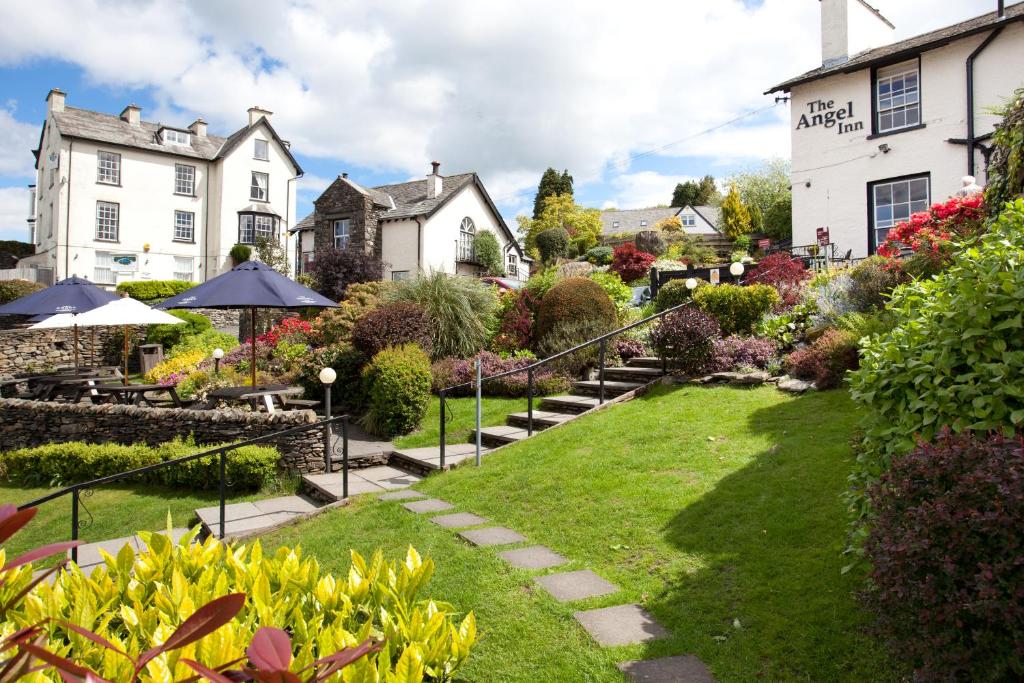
[(172, 335), (149, 290), (736, 308), (59, 464), (15, 289), (398, 383)]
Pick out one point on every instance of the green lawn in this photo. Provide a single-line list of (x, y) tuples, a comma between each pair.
[(462, 412), (717, 508)]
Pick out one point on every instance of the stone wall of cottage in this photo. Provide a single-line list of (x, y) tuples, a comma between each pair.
[(33, 423), (341, 200)]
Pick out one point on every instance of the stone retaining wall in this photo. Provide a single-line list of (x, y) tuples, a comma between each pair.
[(23, 350), (33, 423)]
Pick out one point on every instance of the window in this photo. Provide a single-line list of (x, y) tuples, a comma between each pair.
[(615, 224), (688, 220), (176, 137), (184, 226), (261, 150), (183, 268), (264, 226), (51, 221), (107, 220), (897, 97), (253, 225), (108, 168), (246, 234), (399, 275), (467, 234), (342, 233), (258, 189), (643, 224), (894, 201), (513, 265), (184, 179), (103, 271)]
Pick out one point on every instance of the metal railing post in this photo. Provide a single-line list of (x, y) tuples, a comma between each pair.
[(223, 488), (327, 428), (600, 372), (441, 397), (74, 524), (529, 401), (344, 456), (479, 398)]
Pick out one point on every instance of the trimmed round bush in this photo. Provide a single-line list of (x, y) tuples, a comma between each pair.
[(736, 308), (575, 300), (947, 573), (398, 388), (15, 289), (240, 253), (673, 293), (391, 325), (552, 244), (599, 256), (826, 361), (686, 338), (172, 335)]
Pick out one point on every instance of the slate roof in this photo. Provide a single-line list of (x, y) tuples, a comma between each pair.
[(907, 48), (629, 219), (410, 199), (307, 223), (712, 214)]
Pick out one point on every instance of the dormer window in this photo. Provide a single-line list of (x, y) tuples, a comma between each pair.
[(176, 137), (643, 224)]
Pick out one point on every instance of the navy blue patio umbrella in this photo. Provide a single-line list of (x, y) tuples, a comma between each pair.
[(72, 295), (249, 285)]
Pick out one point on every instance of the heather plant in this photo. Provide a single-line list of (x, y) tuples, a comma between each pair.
[(826, 361), (735, 352), (686, 338), (391, 325), (946, 569), (627, 349), (452, 371)]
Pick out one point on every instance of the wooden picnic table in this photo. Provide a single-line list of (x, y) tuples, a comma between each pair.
[(134, 394), (272, 397), (50, 387)]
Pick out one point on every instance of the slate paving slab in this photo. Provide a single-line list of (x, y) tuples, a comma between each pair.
[(404, 494), (620, 625), (678, 669), (533, 557), (459, 520), (578, 585), (429, 505), (495, 535)]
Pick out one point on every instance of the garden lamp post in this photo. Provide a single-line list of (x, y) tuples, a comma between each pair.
[(327, 377), (736, 269), (218, 353), (691, 283)]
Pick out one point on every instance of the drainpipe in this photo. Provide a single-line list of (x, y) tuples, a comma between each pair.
[(287, 213), (67, 216), (970, 90), (419, 244), (206, 223)]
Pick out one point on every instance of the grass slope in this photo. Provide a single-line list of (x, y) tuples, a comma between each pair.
[(717, 508)]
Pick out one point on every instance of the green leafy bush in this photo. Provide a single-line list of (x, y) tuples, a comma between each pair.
[(954, 357), (872, 282), (240, 253), (152, 290), (398, 386), (540, 282), (334, 325), (674, 292), (347, 362), (461, 311), (787, 328), (249, 467), (488, 253), (618, 291), (736, 308), (172, 335), (599, 256), (391, 325), (552, 244), (206, 341), (1006, 166), (15, 289), (578, 302)]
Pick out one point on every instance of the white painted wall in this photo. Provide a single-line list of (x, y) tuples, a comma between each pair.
[(831, 169), (700, 225)]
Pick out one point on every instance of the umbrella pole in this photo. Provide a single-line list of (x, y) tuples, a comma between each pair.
[(76, 349), (252, 342), (126, 355)]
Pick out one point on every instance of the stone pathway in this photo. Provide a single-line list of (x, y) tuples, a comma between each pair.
[(628, 624)]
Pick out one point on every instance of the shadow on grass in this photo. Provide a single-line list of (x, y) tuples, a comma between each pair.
[(762, 594)]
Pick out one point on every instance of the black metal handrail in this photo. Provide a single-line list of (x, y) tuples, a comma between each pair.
[(531, 368), (75, 490)]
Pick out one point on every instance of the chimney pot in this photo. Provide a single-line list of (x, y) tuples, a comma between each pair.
[(344, 175), (436, 166), (132, 114), (257, 112), (198, 128), (55, 99)]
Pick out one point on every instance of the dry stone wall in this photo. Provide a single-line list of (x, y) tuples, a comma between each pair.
[(24, 350)]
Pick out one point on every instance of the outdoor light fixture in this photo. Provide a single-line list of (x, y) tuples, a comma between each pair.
[(218, 353), (736, 269), (327, 377), (691, 283)]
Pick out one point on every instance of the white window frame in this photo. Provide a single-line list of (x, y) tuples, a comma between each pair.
[(108, 221), (185, 180), (688, 220), (895, 201), (513, 264), (399, 275), (184, 226), (103, 270), (342, 233), (108, 168), (246, 228), (643, 224), (258, 192), (467, 240), (897, 93), (180, 272), (615, 224), (176, 137), (263, 227), (256, 149)]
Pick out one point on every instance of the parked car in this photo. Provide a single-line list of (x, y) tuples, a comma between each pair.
[(504, 284)]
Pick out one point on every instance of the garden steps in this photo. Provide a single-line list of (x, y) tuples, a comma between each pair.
[(542, 419), (569, 403), (644, 362), (428, 459), (499, 435), (632, 373), (329, 486), (612, 388), (242, 520)]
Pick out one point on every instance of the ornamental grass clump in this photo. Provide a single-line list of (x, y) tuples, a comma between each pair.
[(460, 309), (686, 339)]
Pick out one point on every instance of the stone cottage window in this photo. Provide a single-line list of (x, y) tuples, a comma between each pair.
[(467, 233)]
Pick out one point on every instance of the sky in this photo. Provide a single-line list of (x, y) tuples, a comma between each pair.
[(631, 98)]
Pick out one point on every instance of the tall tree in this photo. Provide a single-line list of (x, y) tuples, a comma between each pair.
[(767, 187), (696, 192), (735, 215), (551, 183)]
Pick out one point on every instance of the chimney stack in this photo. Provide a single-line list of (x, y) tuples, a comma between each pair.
[(849, 27), (257, 112), (198, 128), (344, 175), (132, 114), (55, 100), (434, 181)]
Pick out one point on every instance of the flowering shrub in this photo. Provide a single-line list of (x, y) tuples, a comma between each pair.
[(630, 348), (686, 338), (451, 371), (391, 325), (736, 352), (930, 234), (783, 272), (630, 263), (826, 361), (946, 570), (515, 321), (172, 370), (289, 329)]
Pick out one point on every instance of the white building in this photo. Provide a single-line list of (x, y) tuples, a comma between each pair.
[(882, 130), (414, 227), (118, 198)]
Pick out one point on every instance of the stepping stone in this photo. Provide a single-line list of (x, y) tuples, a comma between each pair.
[(495, 535), (458, 520), (667, 670), (620, 625), (578, 585), (404, 494), (533, 557), (429, 505)]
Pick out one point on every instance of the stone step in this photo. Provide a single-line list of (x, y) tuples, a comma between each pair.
[(379, 479), (428, 459), (568, 403), (612, 388), (667, 670), (644, 362), (633, 374), (542, 419), (242, 520), (499, 435)]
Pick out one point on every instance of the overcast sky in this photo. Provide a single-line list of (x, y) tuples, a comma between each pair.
[(617, 92)]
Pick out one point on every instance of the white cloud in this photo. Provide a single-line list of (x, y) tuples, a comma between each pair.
[(643, 189), (13, 213), (17, 140), (313, 185)]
